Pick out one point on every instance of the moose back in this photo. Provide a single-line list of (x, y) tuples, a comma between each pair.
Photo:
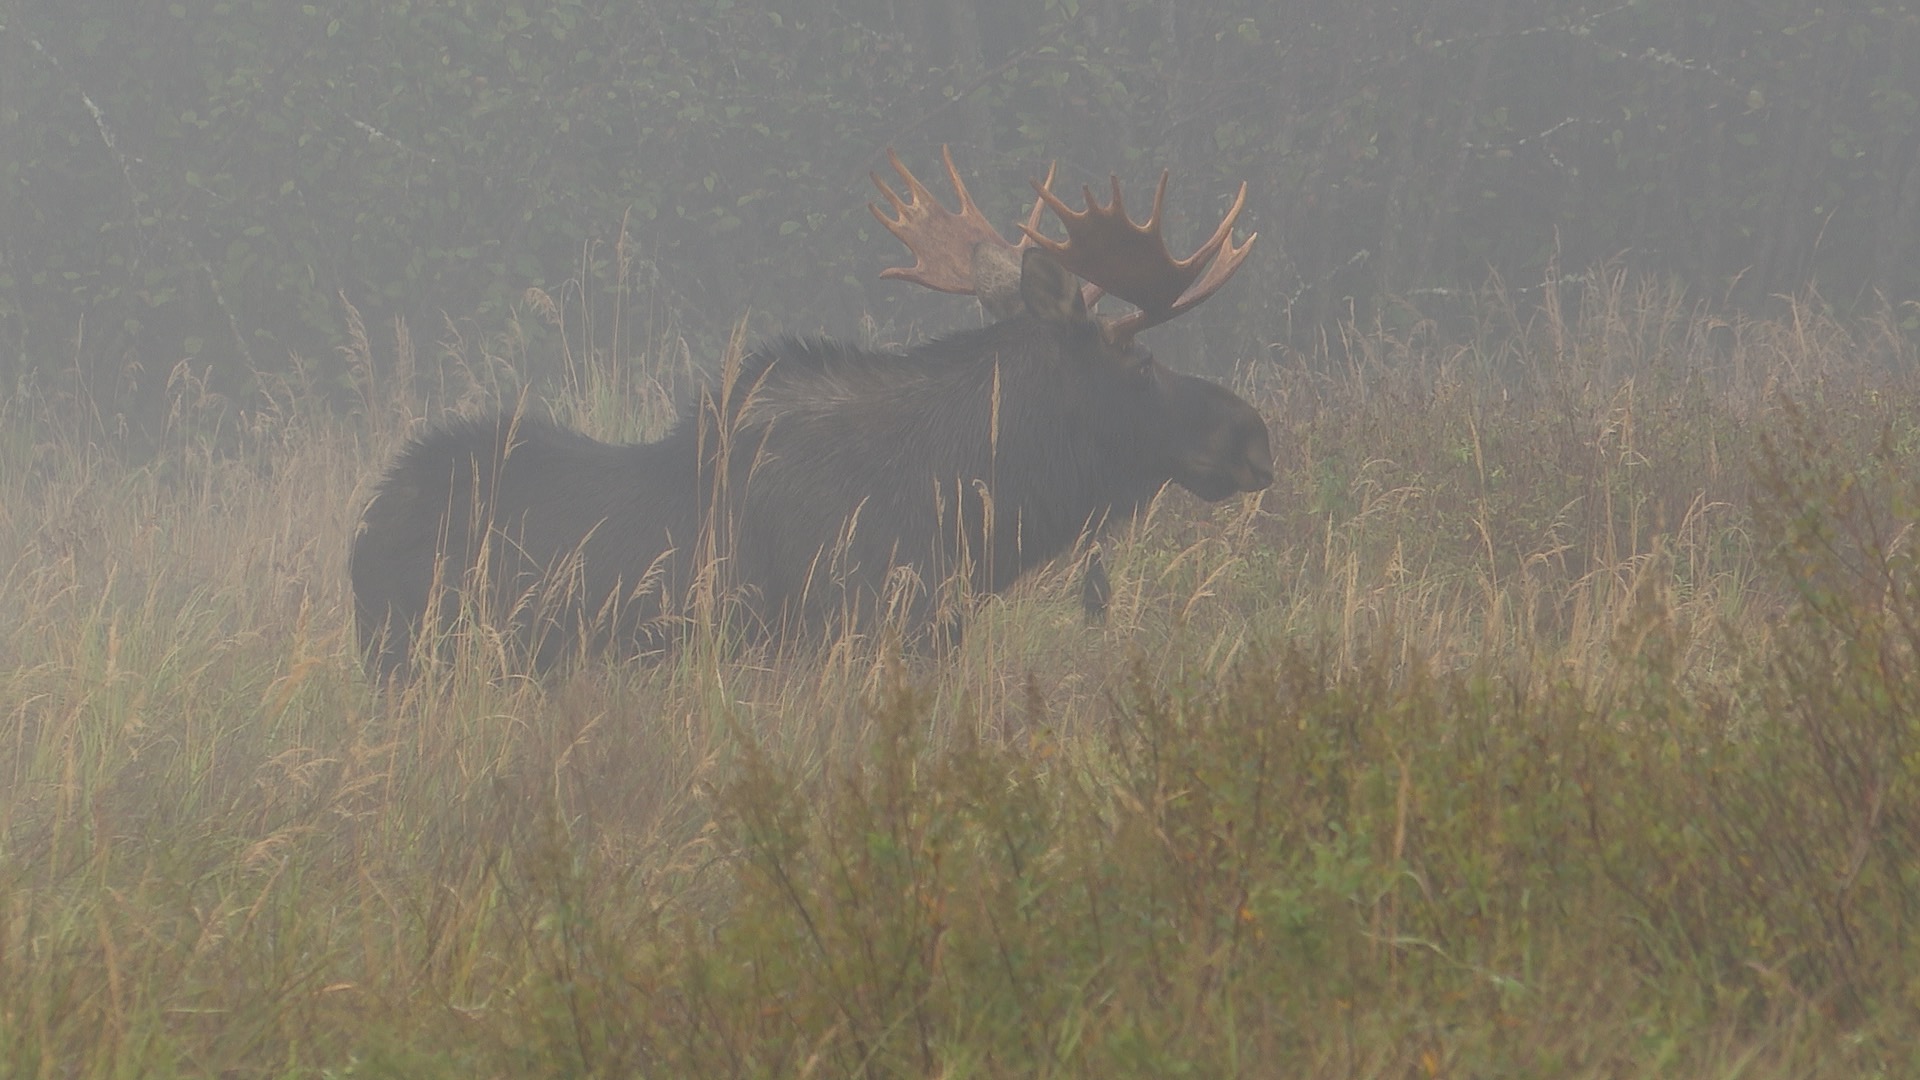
[(831, 488)]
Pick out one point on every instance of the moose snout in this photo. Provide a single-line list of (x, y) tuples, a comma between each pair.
[(1226, 472), (1235, 457), (1255, 471)]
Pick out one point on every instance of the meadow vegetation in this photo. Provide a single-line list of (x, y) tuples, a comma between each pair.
[(1557, 713)]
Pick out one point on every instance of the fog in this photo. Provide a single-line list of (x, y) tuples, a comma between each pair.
[(1483, 640), (217, 183)]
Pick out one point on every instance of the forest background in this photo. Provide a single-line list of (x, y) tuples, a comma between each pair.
[(198, 186)]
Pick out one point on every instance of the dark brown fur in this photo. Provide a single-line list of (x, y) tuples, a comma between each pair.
[(856, 484)]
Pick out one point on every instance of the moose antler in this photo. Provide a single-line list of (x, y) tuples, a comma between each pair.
[(962, 253), (942, 242), (1107, 248)]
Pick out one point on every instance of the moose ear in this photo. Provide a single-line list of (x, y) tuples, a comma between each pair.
[(1051, 292)]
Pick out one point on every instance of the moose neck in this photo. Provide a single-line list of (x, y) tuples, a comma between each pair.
[(1024, 415), (994, 444)]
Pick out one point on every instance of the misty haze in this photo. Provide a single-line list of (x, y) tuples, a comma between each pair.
[(1076, 538)]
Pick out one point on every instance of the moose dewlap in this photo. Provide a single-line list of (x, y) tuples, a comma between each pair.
[(829, 488)]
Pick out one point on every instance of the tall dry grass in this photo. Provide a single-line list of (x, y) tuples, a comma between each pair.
[(1548, 716)]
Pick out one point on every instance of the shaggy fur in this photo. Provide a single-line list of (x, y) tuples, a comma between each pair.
[(856, 484)]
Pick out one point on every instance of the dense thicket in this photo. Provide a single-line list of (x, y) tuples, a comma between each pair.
[(207, 180)]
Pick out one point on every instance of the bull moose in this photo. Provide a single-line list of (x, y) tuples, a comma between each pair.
[(831, 488)]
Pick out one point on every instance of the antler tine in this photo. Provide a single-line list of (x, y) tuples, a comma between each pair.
[(1039, 204), (1225, 257), (1222, 235), (1208, 283), (1130, 259), (1090, 293), (941, 241)]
